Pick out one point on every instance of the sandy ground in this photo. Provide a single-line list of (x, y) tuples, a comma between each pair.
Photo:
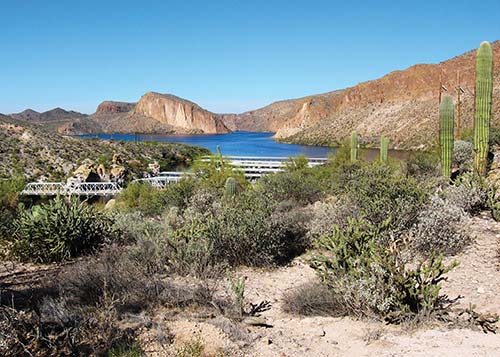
[(477, 278)]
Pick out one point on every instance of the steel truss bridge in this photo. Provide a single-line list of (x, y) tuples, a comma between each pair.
[(252, 167)]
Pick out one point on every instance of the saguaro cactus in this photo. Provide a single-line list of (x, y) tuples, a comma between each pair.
[(230, 187), (384, 147), (354, 146), (446, 133), (482, 115)]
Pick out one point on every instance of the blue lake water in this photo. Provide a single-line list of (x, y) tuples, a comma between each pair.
[(245, 144), (233, 144)]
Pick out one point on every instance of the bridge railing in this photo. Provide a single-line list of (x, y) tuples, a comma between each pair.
[(252, 167), (44, 189)]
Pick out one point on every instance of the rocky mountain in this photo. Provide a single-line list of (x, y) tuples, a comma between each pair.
[(154, 113), (56, 114), (403, 105)]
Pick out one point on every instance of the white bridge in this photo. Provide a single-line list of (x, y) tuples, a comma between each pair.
[(252, 167), (80, 189)]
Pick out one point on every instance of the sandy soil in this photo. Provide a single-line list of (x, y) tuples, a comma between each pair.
[(477, 278)]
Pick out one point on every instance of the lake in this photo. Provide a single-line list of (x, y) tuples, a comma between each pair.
[(240, 144)]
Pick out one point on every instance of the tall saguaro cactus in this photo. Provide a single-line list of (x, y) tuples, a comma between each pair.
[(354, 146), (482, 115), (446, 134), (384, 147)]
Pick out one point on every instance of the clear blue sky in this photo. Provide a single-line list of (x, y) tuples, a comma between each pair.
[(228, 56)]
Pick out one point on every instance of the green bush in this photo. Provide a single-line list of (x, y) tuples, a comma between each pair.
[(214, 173), (372, 279), (301, 185), (423, 164), (58, 231), (377, 193), (9, 204), (142, 197), (253, 230)]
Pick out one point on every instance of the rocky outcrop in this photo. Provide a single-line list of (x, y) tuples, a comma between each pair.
[(179, 113), (111, 107), (403, 105)]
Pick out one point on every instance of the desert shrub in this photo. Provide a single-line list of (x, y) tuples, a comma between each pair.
[(301, 186), (59, 230), (56, 329), (313, 299), (371, 279), (296, 163), (469, 192), (463, 152), (254, 230), (377, 193), (179, 193), (213, 174), (326, 215), (423, 164), (143, 197), (9, 204), (441, 227), (131, 280), (112, 272)]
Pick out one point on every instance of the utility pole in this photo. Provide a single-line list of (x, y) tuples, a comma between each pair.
[(459, 106), (440, 87)]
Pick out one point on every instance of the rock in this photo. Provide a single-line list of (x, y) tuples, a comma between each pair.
[(108, 107), (117, 159), (117, 173), (154, 168), (179, 113), (101, 171), (110, 204), (86, 172)]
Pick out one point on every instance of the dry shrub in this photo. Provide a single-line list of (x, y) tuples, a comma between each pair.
[(441, 227), (116, 273), (61, 330), (313, 299)]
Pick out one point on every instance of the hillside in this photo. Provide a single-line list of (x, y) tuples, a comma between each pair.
[(153, 113), (41, 153), (403, 105)]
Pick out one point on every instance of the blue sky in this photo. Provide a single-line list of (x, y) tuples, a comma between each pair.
[(228, 56)]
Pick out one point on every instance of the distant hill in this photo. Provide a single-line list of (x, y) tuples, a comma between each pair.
[(41, 153), (56, 114)]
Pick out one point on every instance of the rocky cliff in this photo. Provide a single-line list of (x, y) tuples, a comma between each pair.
[(154, 113), (179, 113), (402, 105), (110, 107)]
